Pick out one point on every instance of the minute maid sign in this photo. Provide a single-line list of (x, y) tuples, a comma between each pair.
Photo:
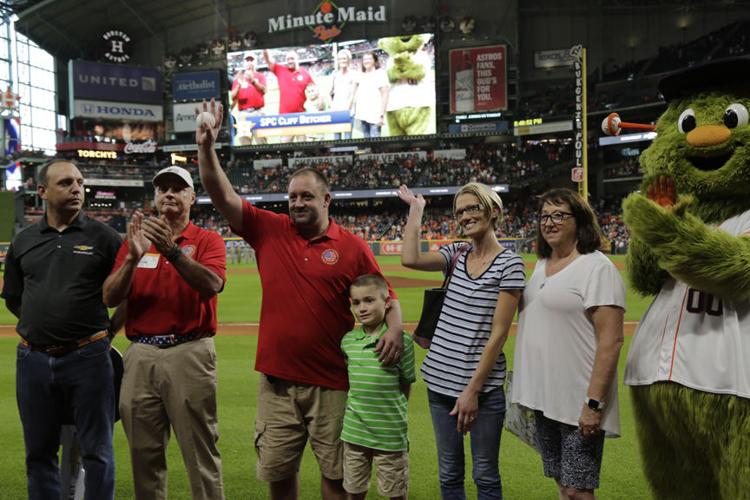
[(327, 19)]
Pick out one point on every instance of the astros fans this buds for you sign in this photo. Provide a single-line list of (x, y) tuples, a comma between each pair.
[(478, 80)]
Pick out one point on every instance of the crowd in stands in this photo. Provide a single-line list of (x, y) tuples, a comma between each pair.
[(489, 164), (627, 167)]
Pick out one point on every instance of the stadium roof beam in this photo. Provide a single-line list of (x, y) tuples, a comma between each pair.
[(143, 22)]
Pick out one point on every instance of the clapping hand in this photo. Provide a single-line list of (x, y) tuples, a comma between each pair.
[(159, 232), (662, 191), (138, 243)]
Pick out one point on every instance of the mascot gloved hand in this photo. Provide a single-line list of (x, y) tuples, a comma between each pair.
[(689, 362), (411, 95)]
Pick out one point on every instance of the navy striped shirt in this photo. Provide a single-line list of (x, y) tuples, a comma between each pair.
[(466, 321)]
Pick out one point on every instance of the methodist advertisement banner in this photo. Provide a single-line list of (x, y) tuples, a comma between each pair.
[(114, 82), (196, 86), (478, 79), (183, 116), (117, 111)]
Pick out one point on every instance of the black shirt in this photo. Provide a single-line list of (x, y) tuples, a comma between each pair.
[(58, 278)]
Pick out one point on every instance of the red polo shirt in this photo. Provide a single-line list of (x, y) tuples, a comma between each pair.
[(305, 310), (160, 301), (292, 85), (249, 97)]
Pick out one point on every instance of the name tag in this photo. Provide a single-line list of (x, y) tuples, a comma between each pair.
[(149, 261)]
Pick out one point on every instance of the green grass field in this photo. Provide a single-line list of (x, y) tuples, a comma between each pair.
[(622, 476)]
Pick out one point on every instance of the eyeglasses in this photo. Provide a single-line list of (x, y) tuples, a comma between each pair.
[(470, 210), (556, 218)]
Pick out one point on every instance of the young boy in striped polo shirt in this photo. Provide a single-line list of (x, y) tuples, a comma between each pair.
[(375, 418)]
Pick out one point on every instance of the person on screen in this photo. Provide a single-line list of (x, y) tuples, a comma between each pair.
[(342, 89), (293, 80), (248, 97), (317, 102), (370, 97)]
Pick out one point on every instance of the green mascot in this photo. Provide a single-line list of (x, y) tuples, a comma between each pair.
[(689, 362), (411, 97)]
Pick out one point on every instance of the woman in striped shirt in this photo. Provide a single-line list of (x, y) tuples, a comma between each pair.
[(465, 367)]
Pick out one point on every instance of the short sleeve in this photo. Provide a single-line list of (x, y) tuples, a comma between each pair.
[(448, 251), (13, 277), (254, 222), (604, 286), (382, 79), (214, 255), (513, 274), (112, 247), (407, 374), (120, 258)]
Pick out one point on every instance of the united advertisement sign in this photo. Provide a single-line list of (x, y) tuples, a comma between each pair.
[(114, 82)]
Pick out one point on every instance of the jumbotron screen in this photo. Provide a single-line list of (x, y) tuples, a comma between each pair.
[(346, 90)]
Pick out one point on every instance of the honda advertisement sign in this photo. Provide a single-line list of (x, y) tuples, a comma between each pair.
[(114, 82), (196, 86), (118, 111)]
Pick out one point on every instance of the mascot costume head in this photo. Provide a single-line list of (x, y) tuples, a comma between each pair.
[(689, 362)]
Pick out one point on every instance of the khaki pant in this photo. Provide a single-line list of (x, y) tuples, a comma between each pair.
[(391, 470), (289, 413), (173, 387)]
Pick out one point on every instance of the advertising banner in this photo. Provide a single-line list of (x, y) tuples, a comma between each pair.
[(115, 82), (196, 85), (311, 161), (552, 58), (450, 154), (183, 117), (478, 79), (406, 155), (117, 111)]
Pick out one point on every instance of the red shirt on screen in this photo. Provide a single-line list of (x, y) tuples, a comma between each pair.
[(160, 301), (305, 310), (292, 85), (249, 97)]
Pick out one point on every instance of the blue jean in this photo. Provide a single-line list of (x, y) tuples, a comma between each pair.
[(485, 445), (53, 390), (368, 129)]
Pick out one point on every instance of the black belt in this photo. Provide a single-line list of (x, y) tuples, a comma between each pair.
[(63, 349), (171, 340)]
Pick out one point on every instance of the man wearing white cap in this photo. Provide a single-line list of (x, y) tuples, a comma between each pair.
[(170, 271), (247, 97)]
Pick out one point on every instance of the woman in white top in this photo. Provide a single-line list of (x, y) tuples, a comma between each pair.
[(370, 97), (342, 88), (465, 367), (569, 337)]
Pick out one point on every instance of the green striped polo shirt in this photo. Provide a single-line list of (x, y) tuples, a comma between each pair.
[(375, 414)]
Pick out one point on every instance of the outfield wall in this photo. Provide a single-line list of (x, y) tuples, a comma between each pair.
[(236, 246)]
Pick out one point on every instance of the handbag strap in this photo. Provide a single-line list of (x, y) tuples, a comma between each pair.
[(452, 266)]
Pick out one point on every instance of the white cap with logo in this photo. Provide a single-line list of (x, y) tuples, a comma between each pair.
[(174, 170)]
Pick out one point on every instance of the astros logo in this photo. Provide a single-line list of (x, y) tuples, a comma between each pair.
[(188, 250), (329, 256)]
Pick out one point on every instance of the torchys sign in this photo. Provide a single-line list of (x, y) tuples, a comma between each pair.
[(327, 19)]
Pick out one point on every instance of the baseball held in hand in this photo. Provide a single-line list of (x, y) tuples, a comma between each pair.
[(206, 118)]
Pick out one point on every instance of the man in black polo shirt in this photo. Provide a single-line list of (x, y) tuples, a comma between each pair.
[(54, 271)]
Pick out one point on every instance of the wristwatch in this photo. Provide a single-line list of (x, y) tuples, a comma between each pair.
[(174, 253), (595, 404)]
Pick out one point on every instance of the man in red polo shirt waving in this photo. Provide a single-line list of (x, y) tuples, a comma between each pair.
[(170, 272), (306, 263)]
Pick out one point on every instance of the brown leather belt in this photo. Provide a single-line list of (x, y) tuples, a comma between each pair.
[(63, 349)]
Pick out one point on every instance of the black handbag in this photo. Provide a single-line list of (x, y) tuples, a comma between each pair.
[(433, 302)]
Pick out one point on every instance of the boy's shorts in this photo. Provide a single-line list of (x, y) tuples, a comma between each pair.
[(287, 414), (392, 470), (567, 456)]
